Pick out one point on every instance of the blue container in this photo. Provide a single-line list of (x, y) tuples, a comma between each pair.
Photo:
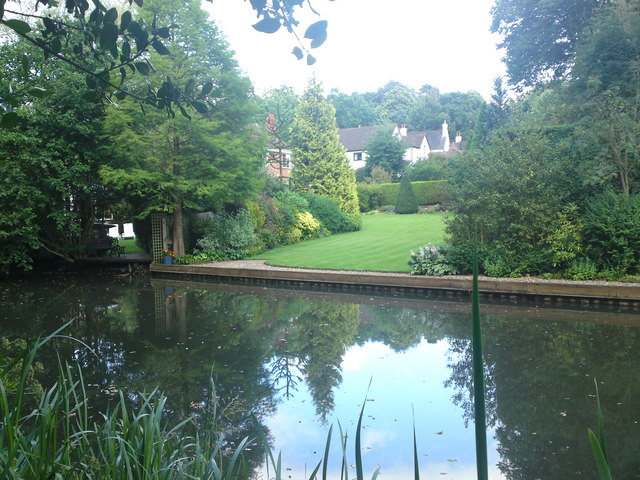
[(167, 260)]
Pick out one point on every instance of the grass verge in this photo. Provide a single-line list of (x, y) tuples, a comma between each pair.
[(383, 244)]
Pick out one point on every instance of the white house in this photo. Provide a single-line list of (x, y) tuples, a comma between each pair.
[(419, 144)]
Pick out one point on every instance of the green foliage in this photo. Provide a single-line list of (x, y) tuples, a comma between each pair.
[(370, 196), (13, 354), (268, 221), (565, 238), (426, 170), (229, 235), (321, 166), (326, 210), (205, 256), (354, 110), (427, 193), (581, 269), (174, 164), (508, 192), (106, 44), (500, 262), (378, 175), (386, 151), (61, 438), (406, 201), (307, 225), (612, 232), (397, 102), (50, 189), (540, 38), (432, 261)]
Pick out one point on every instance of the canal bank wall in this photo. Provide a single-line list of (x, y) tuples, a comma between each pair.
[(557, 291)]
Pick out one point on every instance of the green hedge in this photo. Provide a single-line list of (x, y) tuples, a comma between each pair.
[(427, 193)]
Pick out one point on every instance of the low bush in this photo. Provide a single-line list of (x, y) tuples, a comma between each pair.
[(206, 256), (500, 262), (308, 226), (432, 261), (581, 269), (269, 223), (369, 196), (228, 235), (331, 217)]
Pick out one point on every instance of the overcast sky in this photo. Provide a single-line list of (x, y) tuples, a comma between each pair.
[(445, 43)]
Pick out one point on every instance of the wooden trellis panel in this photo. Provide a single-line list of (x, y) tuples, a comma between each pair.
[(157, 235)]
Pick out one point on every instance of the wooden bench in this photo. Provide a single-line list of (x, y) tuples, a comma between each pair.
[(98, 246)]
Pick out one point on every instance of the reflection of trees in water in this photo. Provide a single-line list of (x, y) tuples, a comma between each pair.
[(540, 383), (310, 344), (402, 328), (541, 395)]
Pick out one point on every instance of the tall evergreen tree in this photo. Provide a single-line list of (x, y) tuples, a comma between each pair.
[(320, 162), (172, 164)]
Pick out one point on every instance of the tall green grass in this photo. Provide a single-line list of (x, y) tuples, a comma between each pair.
[(58, 439)]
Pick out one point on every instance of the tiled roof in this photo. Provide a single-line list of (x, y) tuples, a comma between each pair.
[(355, 139), (435, 139), (414, 139)]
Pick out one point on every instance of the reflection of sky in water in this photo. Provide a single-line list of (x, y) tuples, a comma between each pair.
[(399, 381)]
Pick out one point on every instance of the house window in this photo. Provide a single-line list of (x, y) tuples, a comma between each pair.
[(286, 160), (357, 156)]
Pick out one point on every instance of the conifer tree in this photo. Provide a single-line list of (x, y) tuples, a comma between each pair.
[(406, 201), (173, 164), (320, 164)]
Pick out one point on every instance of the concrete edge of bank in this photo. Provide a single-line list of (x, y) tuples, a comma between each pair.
[(594, 291)]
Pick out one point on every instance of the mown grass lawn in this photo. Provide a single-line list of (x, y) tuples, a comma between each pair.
[(383, 244), (130, 245)]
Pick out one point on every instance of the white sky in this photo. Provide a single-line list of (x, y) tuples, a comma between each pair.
[(445, 43)]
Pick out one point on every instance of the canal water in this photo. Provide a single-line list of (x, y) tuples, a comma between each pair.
[(301, 362)]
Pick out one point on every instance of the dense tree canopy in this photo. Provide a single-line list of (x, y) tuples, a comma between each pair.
[(51, 192), (173, 164), (397, 103), (540, 37), (544, 162), (114, 44), (386, 151)]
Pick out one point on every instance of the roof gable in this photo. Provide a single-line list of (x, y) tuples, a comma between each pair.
[(356, 139)]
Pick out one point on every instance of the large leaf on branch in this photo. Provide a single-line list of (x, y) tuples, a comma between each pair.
[(108, 36), (18, 25), (268, 25), (317, 32)]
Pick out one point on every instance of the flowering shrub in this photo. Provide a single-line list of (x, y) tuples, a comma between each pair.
[(432, 261), (168, 253)]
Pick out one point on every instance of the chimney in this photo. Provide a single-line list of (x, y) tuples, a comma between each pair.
[(445, 130), (458, 137)]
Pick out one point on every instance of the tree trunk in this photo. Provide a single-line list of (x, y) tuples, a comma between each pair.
[(178, 238)]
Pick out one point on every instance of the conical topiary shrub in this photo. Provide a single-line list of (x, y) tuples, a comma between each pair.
[(406, 201)]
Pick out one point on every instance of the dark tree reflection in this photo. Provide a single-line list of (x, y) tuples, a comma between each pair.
[(541, 394)]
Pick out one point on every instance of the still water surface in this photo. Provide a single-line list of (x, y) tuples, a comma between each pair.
[(301, 361)]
